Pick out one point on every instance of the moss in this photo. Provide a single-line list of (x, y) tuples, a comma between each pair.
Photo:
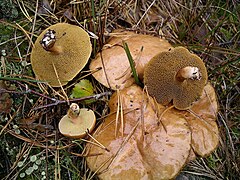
[(8, 10)]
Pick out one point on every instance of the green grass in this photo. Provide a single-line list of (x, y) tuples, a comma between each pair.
[(211, 30)]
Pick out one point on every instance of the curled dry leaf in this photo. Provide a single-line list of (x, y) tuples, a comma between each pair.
[(5, 99), (148, 150), (113, 59)]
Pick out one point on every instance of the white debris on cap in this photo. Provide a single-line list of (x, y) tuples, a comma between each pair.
[(48, 39)]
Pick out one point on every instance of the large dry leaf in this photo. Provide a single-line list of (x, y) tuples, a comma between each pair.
[(5, 99)]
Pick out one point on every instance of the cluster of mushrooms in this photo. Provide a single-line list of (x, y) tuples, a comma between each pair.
[(150, 132), (60, 52)]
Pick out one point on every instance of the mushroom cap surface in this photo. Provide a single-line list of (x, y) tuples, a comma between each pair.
[(85, 120), (76, 46), (146, 150), (114, 61), (202, 122), (159, 77)]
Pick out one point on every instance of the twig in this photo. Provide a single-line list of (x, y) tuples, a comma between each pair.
[(56, 101), (34, 92), (96, 96)]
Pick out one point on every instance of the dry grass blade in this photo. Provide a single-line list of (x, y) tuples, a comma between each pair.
[(121, 113), (26, 33), (117, 114), (96, 142), (56, 73)]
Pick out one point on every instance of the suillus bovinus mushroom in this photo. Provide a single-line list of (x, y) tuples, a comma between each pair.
[(113, 62), (78, 122), (176, 75), (148, 149), (60, 53)]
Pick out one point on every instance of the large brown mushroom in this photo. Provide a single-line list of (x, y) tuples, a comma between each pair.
[(60, 53), (148, 149), (113, 62), (176, 75), (201, 119)]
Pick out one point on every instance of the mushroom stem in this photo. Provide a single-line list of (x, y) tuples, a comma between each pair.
[(48, 42), (56, 49), (188, 72), (73, 112)]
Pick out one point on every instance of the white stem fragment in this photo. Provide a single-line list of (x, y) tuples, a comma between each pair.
[(48, 42), (73, 112), (188, 72)]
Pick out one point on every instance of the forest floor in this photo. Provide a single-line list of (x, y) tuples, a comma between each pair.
[(31, 146)]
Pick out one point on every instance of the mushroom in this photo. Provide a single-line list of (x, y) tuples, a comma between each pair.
[(147, 149), (60, 53), (201, 119), (113, 62), (77, 122), (176, 75)]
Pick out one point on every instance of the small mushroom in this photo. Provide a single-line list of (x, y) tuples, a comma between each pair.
[(60, 53), (113, 62), (176, 75), (77, 122)]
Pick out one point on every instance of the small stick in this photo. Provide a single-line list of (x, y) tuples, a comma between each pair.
[(26, 92), (34, 92), (96, 96)]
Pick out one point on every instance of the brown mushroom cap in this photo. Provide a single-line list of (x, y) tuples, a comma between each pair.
[(76, 49), (148, 151), (85, 121), (160, 78), (114, 59), (202, 122), (144, 152)]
